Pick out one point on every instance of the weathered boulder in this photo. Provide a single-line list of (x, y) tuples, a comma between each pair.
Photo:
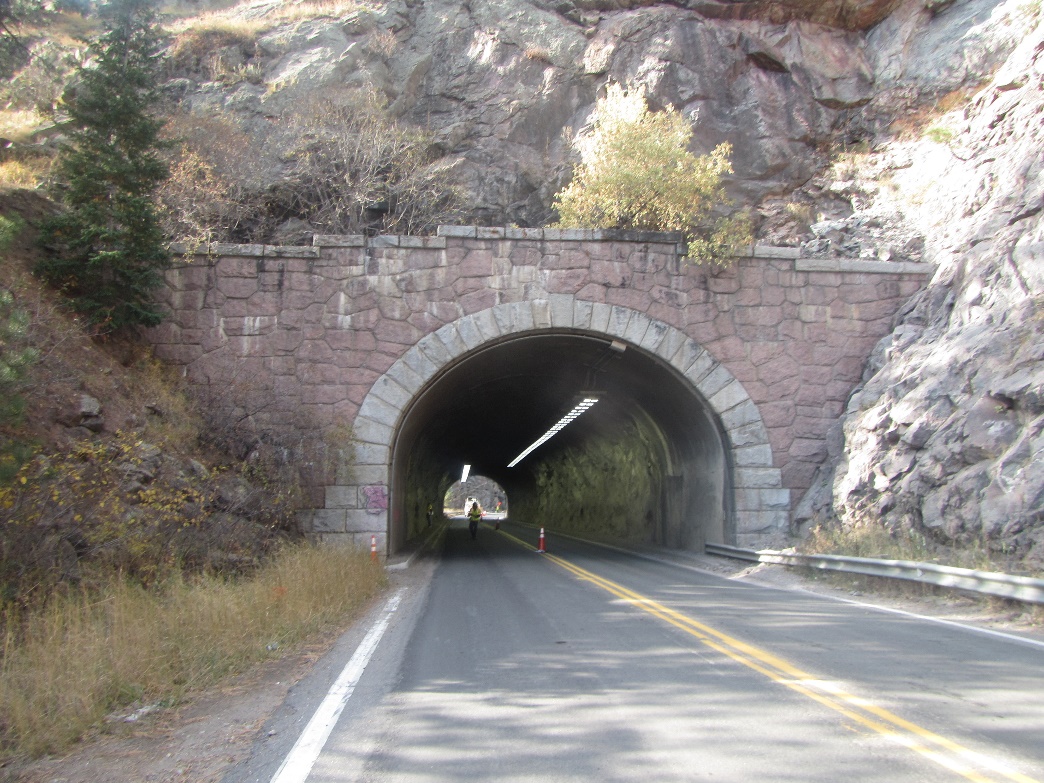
[(85, 412), (831, 66), (923, 51)]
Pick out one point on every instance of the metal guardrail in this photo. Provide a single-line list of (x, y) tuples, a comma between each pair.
[(1019, 588)]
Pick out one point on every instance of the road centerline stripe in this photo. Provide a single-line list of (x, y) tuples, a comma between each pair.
[(939, 749)]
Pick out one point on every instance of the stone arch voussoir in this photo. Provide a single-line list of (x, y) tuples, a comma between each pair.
[(761, 502)]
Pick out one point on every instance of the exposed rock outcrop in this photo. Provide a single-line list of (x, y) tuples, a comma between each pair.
[(504, 85), (928, 110), (845, 14), (946, 434)]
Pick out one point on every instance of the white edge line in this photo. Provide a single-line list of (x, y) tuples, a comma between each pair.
[(952, 623), (877, 607), (1011, 637), (298, 762)]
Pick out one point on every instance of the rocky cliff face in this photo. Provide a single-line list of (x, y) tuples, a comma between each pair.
[(504, 85), (946, 435), (893, 129)]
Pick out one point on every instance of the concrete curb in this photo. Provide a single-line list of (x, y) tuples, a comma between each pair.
[(436, 533)]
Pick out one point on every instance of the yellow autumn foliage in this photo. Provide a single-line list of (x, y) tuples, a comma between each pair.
[(636, 172)]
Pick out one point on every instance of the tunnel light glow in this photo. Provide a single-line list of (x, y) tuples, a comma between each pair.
[(581, 406), (464, 475)]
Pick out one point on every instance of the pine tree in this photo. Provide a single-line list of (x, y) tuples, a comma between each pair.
[(109, 252)]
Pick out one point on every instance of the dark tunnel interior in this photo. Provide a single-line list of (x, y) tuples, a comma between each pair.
[(648, 462)]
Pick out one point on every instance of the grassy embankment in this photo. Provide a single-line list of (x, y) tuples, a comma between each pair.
[(100, 612), (84, 655)]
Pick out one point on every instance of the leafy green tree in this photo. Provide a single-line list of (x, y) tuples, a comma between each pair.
[(109, 248), (636, 172)]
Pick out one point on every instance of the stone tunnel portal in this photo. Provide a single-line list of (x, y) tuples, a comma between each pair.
[(648, 462)]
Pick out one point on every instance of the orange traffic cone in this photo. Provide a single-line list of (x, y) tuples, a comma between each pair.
[(540, 547), (373, 547)]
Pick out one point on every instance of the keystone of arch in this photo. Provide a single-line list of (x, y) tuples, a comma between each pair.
[(761, 503)]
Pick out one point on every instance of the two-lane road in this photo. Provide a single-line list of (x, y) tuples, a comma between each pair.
[(589, 664)]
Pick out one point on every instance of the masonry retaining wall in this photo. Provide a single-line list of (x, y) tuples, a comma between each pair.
[(319, 325)]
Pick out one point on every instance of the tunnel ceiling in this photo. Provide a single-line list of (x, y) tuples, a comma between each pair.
[(488, 408)]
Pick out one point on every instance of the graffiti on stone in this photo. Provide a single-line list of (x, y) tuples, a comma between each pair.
[(376, 499)]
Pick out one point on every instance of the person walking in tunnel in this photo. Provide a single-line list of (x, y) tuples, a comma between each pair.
[(474, 515), (431, 513)]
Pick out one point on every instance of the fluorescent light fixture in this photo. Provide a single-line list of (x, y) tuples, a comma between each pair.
[(581, 406), (464, 475)]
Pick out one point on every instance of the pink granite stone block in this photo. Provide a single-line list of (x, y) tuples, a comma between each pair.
[(478, 300), (773, 295), (396, 332), (779, 413), (778, 369), (723, 283), (628, 297), (804, 448), (611, 273), (566, 281), (669, 296), (476, 263), (799, 474), (571, 257), (592, 292)]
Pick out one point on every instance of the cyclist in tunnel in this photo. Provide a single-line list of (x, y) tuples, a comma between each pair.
[(474, 515)]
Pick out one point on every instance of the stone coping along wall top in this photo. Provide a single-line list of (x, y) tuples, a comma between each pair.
[(319, 241)]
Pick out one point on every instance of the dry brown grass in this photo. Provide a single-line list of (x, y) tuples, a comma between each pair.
[(872, 540), (314, 9), (231, 20), (79, 640), (383, 43), (538, 54), (179, 9), (86, 654), (213, 31), (175, 424), (19, 124), (206, 50), (23, 173), (67, 28), (82, 639), (912, 125)]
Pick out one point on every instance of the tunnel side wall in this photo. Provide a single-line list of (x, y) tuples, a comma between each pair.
[(347, 330), (615, 486)]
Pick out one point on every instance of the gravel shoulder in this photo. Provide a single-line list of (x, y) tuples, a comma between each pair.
[(196, 741)]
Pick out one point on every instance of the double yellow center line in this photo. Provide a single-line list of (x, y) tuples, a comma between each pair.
[(971, 765)]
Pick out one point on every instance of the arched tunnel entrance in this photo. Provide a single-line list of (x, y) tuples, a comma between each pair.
[(649, 462)]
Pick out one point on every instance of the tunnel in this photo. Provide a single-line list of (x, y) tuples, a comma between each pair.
[(647, 463)]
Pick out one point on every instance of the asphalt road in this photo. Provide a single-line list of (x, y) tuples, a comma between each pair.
[(587, 664)]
